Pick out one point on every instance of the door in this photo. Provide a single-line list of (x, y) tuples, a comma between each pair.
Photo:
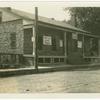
[(28, 44)]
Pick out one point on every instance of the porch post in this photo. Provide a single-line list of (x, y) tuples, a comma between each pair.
[(36, 40), (99, 47), (65, 46), (83, 46)]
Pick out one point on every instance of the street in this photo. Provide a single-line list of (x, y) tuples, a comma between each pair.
[(77, 81)]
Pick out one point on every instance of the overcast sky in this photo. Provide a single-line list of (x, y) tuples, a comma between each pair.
[(50, 10)]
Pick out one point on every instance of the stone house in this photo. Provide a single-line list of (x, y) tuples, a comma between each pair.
[(58, 42)]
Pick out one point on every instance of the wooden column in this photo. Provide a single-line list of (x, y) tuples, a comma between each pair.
[(99, 50), (99, 47), (36, 40), (83, 46), (33, 40), (65, 46)]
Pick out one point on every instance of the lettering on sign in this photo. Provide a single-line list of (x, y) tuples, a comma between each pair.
[(33, 39), (61, 43), (47, 40), (74, 36), (79, 44)]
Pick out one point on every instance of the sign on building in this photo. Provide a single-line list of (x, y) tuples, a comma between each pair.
[(47, 40), (33, 39), (74, 36), (61, 43), (79, 44)]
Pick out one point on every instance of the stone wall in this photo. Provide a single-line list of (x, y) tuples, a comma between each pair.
[(6, 28)]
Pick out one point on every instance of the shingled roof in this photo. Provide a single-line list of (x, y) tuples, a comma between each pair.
[(29, 16)]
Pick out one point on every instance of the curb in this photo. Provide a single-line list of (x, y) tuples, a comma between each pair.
[(27, 71)]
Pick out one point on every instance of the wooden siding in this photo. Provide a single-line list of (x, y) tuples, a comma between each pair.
[(47, 50), (75, 55)]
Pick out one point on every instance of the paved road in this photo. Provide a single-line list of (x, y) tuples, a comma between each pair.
[(80, 81)]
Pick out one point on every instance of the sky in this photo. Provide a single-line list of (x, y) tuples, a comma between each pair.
[(46, 9)]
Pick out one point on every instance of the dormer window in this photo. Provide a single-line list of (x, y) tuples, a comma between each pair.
[(0, 17)]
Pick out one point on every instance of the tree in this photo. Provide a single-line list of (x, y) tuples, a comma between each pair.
[(87, 18)]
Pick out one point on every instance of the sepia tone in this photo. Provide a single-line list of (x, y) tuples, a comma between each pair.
[(59, 47)]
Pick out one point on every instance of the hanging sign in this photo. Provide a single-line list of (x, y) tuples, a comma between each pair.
[(74, 36), (47, 40), (33, 39), (79, 44), (61, 43)]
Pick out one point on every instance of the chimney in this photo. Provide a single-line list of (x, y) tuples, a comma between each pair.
[(73, 20), (53, 18)]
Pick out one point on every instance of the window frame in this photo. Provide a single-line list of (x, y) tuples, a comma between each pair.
[(13, 44)]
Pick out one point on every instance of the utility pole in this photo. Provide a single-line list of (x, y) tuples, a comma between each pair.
[(36, 40)]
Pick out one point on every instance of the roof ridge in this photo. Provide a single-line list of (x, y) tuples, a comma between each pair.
[(31, 16)]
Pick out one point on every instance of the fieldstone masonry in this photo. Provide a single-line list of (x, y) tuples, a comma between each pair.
[(6, 28)]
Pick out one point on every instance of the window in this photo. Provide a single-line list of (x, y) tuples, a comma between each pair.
[(13, 40), (40, 60), (47, 60), (56, 60), (61, 59), (54, 43)]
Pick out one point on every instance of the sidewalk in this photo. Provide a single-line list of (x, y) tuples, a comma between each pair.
[(43, 69)]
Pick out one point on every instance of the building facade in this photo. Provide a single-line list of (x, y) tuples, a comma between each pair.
[(58, 42)]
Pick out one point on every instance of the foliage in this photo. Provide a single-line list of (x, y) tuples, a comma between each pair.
[(88, 18)]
